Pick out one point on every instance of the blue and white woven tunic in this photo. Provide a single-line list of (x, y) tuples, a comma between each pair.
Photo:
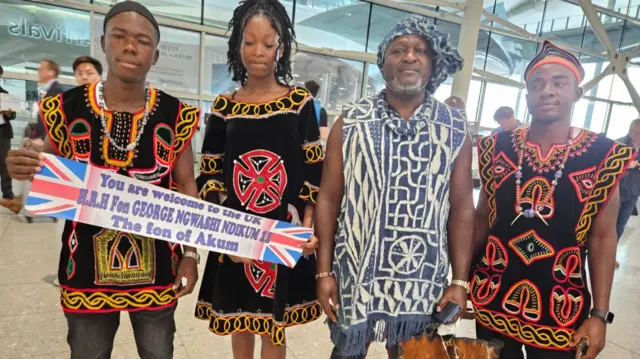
[(391, 257)]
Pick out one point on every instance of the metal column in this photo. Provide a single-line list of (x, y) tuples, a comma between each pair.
[(467, 47)]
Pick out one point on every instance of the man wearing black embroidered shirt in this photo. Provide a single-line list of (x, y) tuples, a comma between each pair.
[(103, 272)]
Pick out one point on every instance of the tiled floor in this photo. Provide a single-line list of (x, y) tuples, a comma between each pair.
[(32, 324)]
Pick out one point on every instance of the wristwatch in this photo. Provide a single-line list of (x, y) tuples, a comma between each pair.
[(193, 255), (461, 283), (605, 315)]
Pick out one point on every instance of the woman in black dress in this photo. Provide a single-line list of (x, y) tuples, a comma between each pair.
[(262, 152)]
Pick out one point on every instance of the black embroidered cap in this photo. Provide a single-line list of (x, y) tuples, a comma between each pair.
[(552, 54), (127, 6)]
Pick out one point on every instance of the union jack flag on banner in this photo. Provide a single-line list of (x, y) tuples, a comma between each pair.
[(100, 197), (284, 242), (56, 192)]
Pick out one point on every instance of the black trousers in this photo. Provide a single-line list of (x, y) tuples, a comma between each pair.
[(91, 336), (5, 180), (513, 349)]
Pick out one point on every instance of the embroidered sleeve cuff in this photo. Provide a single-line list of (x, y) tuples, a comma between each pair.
[(313, 152), (309, 193), (211, 164), (211, 186)]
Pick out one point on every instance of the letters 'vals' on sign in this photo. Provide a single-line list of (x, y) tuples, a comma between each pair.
[(83, 193)]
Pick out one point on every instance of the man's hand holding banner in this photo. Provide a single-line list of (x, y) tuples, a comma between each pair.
[(80, 192)]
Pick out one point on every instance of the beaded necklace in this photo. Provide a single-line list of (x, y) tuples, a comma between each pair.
[(107, 134), (535, 212)]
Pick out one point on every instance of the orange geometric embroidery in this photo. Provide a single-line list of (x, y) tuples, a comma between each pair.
[(607, 178), (486, 147), (566, 305), (523, 299), (530, 247), (568, 267)]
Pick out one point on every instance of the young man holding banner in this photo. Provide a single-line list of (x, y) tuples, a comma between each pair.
[(126, 126)]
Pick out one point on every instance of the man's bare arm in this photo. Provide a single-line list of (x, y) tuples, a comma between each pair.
[(461, 214), (602, 252), (480, 223), (329, 198)]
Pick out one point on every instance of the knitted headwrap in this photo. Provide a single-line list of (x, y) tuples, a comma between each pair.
[(552, 54), (127, 6), (446, 59)]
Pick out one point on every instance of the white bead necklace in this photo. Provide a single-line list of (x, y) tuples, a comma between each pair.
[(107, 134)]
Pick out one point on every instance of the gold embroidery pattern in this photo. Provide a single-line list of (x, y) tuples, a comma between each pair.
[(54, 118), (185, 128), (261, 324), (532, 153), (99, 301), (606, 180), (211, 185), (486, 146), (538, 336), (309, 193), (133, 130), (124, 258), (313, 152), (211, 164), (292, 102)]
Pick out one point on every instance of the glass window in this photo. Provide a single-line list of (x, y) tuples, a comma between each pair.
[(509, 56), (179, 63), (592, 68), (185, 10), (217, 13), (340, 80), (619, 91), (217, 79), (336, 24), (496, 96), (590, 115), (621, 117), (473, 100), (32, 32)]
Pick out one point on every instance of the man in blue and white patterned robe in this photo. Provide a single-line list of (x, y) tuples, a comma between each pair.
[(388, 223)]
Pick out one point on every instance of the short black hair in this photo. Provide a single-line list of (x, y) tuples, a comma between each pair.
[(503, 112), (53, 66), (277, 14), (127, 6), (313, 87), (1, 71), (88, 60)]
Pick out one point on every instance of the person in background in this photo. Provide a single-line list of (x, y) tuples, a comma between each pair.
[(321, 114), (395, 206), (87, 70), (8, 200), (548, 207), (505, 117), (630, 182), (48, 73), (262, 149), (105, 272)]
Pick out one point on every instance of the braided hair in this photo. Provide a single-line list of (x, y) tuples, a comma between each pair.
[(281, 23)]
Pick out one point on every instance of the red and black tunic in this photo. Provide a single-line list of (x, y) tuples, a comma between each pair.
[(266, 159), (531, 283), (103, 270)]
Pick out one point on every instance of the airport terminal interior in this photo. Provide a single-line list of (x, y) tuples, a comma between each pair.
[(337, 45)]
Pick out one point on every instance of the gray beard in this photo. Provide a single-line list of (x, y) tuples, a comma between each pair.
[(406, 89)]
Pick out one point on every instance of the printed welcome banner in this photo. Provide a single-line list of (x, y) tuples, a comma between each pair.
[(79, 192)]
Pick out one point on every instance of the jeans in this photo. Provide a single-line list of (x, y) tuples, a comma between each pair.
[(627, 205), (513, 349), (91, 336)]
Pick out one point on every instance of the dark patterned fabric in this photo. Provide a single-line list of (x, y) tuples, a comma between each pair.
[(446, 59), (531, 282), (550, 53), (266, 158), (103, 270)]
